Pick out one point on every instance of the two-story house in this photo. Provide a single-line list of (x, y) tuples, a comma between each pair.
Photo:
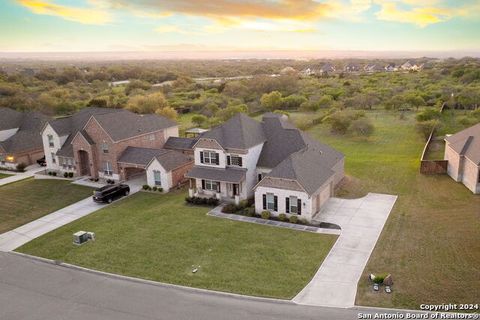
[(110, 144), (20, 140), (283, 168)]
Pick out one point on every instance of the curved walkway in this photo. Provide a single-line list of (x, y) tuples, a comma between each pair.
[(362, 221), (17, 176)]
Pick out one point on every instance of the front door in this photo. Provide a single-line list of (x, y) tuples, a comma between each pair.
[(84, 163)]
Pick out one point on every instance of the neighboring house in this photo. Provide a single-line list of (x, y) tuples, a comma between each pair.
[(92, 141), (288, 71), (407, 66), (164, 168), (351, 67), (20, 140), (372, 68), (391, 67), (462, 151), (327, 68), (270, 160)]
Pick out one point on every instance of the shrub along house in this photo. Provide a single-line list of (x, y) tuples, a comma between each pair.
[(283, 168), (20, 140), (106, 143), (462, 151)]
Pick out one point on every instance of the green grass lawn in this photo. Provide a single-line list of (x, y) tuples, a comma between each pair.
[(27, 200), (3, 175), (160, 238), (431, 242)]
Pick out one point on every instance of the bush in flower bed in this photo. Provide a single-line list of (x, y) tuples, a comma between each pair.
[(265, 215), (282, 217), (249, 212), (293, 219), (202, 201)]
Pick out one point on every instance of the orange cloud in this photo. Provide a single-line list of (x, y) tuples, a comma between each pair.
[(223, 9), (90, 15)]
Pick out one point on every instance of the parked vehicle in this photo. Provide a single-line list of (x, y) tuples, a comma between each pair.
[(111, 192), (42, 162)]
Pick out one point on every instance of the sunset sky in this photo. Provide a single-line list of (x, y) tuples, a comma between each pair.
[(148, 25)]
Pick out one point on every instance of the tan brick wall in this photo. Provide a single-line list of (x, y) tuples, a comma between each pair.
[(99, 136), (470, 175), (79, 143), (178, 174)]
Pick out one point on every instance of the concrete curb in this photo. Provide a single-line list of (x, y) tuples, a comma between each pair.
[(151, 282)]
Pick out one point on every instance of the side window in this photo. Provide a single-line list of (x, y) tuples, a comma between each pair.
[(51, 144), (54, 159)]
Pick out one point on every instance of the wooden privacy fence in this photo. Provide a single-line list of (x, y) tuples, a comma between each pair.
[(429, 167)]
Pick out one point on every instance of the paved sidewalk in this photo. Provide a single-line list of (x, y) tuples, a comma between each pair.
[(14, 239), (218, 213), (362, 221), (17, 176)]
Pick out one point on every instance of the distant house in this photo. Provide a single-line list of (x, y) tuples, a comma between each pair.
[(308, 72), (20, 140), (327, 68), (372, 68), (407, 66), (284, 169), (391, 67), (462, 151), (114, 144), (351, 67)]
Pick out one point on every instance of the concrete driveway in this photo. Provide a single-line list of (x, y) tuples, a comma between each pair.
[(361, 221), (17, 176), (14, 239)]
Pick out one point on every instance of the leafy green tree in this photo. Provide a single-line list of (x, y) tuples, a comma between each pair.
[(199, 120), (230, 111), (272, 101), (147, 104), (167, 112)]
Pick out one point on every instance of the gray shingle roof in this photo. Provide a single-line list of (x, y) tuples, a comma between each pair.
[(72, 124), (126, 124), (10, 119), (231, 175), (308, 167), (467, 143), (28, 135), (169, 159), (178, 143), (240, 132), (118, 123)]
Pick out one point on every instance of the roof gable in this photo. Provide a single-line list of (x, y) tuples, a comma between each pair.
[(240, 132), (467, 143)]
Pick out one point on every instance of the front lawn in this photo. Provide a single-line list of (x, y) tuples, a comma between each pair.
[(30, 199), (3, 175), (431, 241), (159, 237)]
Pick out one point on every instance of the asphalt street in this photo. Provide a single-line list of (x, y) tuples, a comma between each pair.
[(32, 289)]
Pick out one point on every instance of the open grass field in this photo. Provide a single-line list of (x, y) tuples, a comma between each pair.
[(160, 238), (3, 175), (431, 242), (27, 200)]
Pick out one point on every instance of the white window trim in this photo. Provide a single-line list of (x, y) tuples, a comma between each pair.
[(270, 196), (211, 185), (293, 204), (208, 155), (107, 168), (155, 181)]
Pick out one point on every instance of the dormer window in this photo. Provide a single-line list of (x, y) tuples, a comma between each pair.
[(234, 160), (209, 157), (51, 144)]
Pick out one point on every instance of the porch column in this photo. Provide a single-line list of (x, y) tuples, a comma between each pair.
[(191, 190)]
